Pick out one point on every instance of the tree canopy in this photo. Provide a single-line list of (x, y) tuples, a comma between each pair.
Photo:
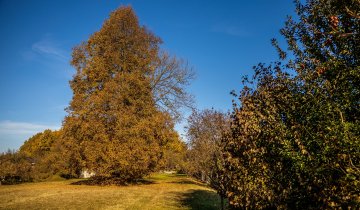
[(204, 131), (294, 140), (113, 127)]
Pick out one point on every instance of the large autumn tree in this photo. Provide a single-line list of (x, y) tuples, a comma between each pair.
[(113, 126), (295, 139)]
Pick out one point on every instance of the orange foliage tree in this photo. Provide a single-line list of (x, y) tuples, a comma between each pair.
[(113, 127)]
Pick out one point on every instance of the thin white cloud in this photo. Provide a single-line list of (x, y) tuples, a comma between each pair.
[(49, 47), (49, 54), (20, 128), (230, 30)]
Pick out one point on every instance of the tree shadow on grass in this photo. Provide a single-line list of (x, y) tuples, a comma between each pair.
[(184, 181), (200, 199), (104, 181)]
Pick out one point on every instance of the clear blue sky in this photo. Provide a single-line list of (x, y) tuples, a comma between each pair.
[(221, 39)]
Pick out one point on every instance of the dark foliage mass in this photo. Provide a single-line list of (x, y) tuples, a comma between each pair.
[(295, 138)]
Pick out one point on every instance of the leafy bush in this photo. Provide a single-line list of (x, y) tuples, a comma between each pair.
[(15, 168)]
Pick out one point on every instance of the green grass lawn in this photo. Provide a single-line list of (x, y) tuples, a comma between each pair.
[(161, 191)]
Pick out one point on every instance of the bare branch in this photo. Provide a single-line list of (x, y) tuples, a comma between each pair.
[(169, 81)]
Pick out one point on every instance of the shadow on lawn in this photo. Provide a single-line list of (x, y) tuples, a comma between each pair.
[(103, 181), (200, 199), (185, 181)]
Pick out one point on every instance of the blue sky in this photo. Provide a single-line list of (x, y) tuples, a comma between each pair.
[(221, 39)]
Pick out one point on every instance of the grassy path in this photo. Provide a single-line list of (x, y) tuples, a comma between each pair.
[(163, 191)]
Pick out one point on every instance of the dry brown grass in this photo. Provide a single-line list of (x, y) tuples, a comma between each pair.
[(165, 192)]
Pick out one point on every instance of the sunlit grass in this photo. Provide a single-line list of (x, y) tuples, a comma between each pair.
[(164, 191)]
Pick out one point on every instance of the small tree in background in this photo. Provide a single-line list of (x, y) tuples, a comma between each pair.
[(205, 159), (41, 150), (40, 144), (174, 155), (204, 131), (15, 168)]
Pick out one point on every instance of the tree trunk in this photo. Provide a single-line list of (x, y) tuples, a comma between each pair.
[(222, 202), (203, 176)]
